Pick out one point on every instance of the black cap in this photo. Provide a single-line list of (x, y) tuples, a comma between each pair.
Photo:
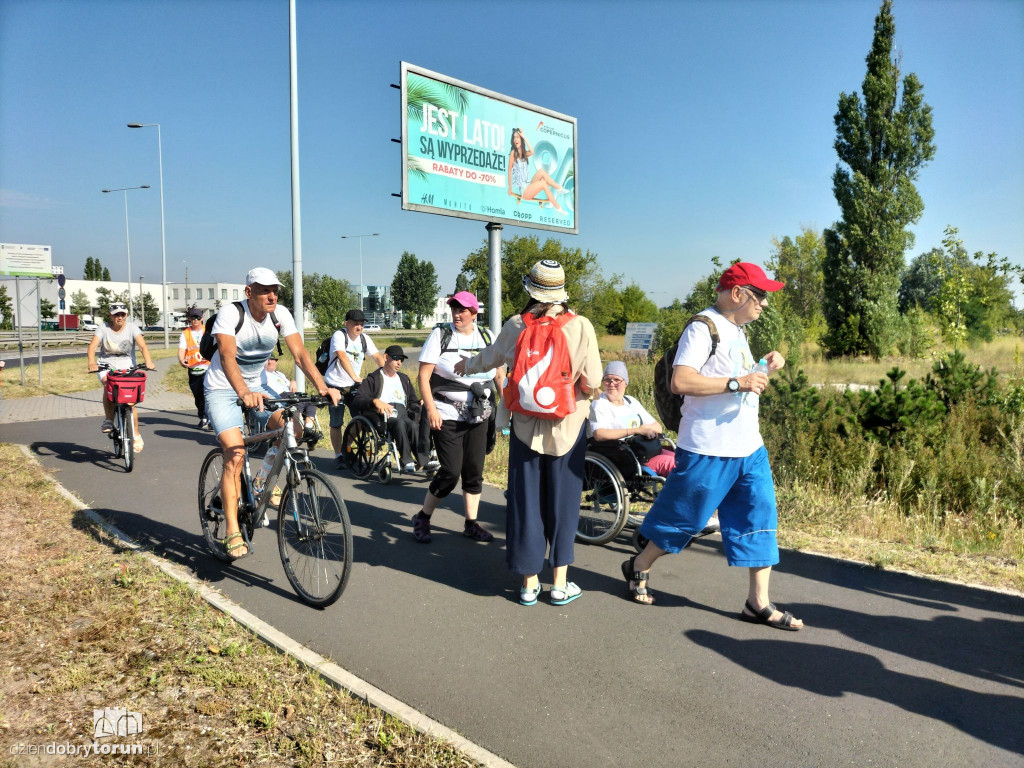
[(395, 352), (355, 314), (194, 311)]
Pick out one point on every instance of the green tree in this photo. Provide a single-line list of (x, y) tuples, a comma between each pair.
[(331, 298), (90, 269), (882, 144), (46, 309), (518, 255), (146, 310), (798, 263), (672, 319), (80, 303), (461, 282), (636, 307), (601, 297), (104, 298), (6, 310), (414, 288), (921, 280), (106, 274)]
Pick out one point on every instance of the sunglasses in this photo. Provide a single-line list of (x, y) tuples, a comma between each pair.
[(757, 293)]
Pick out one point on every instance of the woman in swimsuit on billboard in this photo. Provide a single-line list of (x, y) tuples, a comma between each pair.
[(519, 174)]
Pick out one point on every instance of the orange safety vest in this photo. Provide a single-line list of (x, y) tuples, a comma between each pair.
[(192, 356)]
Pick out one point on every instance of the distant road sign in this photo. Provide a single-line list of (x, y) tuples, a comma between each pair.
[(639, 336), (25, 260), (62, 303), (61, 293), (61, 279)]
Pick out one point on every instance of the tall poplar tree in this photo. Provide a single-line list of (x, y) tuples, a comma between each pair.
[(882, 143)]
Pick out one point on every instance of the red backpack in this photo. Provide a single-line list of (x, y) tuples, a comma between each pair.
[(541, 382)]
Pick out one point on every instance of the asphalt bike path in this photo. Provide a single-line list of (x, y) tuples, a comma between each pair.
[(892, 669)]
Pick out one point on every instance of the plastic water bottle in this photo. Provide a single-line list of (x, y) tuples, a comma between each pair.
[(761, 367), (261, 476)]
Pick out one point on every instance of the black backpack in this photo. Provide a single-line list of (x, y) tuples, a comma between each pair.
[(208, 344), (669, 403), (323, 352), (446, 336)]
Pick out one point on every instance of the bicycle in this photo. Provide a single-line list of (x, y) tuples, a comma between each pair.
[(314, 535), (124, 388)]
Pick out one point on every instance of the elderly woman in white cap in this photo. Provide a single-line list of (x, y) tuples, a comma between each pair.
[(116, 342), (556, 369)]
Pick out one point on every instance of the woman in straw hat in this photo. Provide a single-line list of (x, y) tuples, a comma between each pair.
[(546, 456)]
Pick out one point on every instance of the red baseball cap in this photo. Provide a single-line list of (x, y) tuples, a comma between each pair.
[(745, 273), (465, 299)]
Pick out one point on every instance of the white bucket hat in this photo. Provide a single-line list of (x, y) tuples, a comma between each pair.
[(546, 282)]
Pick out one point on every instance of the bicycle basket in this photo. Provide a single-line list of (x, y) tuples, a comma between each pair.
[(121, 388)]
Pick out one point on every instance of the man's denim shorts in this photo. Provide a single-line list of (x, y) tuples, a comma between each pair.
[(222, 410)]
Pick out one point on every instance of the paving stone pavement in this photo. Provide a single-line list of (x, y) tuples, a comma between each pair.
[(79, 405)]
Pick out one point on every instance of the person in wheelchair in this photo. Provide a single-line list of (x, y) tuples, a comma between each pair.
[(620, 423), (388, 392), (275, 382)]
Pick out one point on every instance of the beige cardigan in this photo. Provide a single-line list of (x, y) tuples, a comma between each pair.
[(550, 436)]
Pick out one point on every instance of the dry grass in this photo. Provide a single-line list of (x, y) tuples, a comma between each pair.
[(86, 625)]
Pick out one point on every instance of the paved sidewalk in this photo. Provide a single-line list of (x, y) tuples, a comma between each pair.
[(79, 405)]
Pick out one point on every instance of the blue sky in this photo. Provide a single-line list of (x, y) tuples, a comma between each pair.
[(705, 128)]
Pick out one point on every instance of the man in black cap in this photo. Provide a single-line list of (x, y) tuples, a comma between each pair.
[(349, 347), (189, 357), (390, 393)]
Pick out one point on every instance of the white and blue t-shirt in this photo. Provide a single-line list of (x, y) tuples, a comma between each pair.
[(255, 343), (724, 424)]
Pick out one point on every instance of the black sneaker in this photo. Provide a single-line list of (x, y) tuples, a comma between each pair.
[(340, 463)]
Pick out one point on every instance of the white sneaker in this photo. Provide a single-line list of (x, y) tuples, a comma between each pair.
[(409, 468), (139, 444), (433, 465)]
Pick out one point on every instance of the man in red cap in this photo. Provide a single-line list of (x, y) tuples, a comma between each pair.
[(721, 462)]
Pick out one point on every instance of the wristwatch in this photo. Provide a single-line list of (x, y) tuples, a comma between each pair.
[(733, 385)]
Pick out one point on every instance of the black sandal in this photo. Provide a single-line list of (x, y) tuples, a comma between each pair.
[(631, 575), (764, 615)]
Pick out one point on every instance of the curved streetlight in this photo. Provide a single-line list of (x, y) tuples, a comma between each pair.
[(360, 237), (163, 241), (127, 238)]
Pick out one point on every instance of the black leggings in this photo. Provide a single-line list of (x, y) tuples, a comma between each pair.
[(461, 448), (195, 383)]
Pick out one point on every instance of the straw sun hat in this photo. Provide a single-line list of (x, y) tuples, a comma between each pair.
[(546, 282)]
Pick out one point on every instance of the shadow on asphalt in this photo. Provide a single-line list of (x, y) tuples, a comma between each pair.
[(80, 454), (835, 672)]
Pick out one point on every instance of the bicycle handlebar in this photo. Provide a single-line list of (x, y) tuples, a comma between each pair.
[(292, 398), (133, 369)]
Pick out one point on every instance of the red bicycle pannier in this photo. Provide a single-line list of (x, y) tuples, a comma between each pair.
[(121, 388)]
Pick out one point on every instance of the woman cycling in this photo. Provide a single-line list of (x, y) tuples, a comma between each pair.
[(116, 342)]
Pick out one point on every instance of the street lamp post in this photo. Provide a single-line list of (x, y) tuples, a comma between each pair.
[(360, 237), (163, 242), (127, 237), (142, 304), (186, 285)]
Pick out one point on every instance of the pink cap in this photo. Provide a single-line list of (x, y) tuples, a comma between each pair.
[(465, 299)]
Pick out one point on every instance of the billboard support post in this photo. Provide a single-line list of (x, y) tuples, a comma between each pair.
[(494, 276), (17, 318), (298, 300), (39, 337)]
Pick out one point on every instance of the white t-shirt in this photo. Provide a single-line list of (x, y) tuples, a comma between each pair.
[(724, 424), (117, 349), (461, 346), (197, 337), (336, 376), (605, 415), (393, 392), (255, 343), (275, 381)]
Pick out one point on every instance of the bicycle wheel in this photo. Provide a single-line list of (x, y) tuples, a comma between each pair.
[(115, 436), (124, 415), (360, 447), (604, 502), (211, 511), (315, 538)]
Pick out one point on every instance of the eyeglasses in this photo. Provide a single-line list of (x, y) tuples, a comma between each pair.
[(761, 296), (613, 381)]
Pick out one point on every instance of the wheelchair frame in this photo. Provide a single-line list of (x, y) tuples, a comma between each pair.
[(611, 501), (368, 454)]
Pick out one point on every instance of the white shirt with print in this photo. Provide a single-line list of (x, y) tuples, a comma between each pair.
[(255, 343), (461, 346), (605, 415), (724, 424), (393, 392), (336, 375), (275, 381), (117, 349)]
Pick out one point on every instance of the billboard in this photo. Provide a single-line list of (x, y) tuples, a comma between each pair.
[(25, 260), (475, 154)]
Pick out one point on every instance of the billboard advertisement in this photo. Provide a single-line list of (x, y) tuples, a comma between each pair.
[(475, 154), (25, 260)]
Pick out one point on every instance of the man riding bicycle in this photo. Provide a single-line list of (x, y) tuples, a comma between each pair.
[(246, 334), (116, 342)]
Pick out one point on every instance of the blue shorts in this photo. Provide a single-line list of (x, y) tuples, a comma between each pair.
[(741, 489), (222, 410)]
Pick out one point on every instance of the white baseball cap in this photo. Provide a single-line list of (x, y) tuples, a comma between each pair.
[(263, 276), (118, 309)]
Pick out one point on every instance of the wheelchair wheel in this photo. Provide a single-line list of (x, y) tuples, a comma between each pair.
[(639, 541), (604, 502), (384, 473), (360, 446)]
